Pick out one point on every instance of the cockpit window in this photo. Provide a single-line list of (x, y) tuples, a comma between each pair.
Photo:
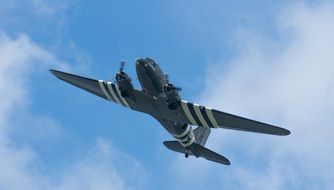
[(153, 63)]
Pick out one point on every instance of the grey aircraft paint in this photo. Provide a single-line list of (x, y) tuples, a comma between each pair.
[(161, 100)]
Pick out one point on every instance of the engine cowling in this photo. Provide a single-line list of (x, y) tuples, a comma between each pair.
[(173, 97), (124, 83)]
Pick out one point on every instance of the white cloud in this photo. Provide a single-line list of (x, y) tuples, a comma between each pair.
[(287, 81), (103, 167), (17, 58), (292, 87), (41, 10), (21, 167)]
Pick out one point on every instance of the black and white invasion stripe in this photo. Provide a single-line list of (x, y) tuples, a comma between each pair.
[(186, 138), (112, 93), (199, 115)]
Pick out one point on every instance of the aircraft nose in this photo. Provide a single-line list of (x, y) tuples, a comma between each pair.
[(141, 62), (140, 66)]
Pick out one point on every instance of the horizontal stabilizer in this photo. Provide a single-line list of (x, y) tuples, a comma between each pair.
[(175, 146), (209, 154), (198, 151)]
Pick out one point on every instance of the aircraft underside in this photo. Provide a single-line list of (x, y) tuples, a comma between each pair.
[(161, 99)]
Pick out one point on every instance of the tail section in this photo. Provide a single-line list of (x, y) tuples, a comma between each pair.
[(175, 146), (197, 151), (208, 154), (202, 135)]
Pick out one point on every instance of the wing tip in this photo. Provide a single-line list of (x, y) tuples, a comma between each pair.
[(63, 75), (55, 72), (52, 71), (227, 163), (285, 132), (282, 131)]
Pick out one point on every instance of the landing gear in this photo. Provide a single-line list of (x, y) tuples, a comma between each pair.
[(186, 155)]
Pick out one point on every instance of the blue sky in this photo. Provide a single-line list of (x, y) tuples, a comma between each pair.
[(270, 61)]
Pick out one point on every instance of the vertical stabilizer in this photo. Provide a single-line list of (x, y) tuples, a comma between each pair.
[(202, 135)]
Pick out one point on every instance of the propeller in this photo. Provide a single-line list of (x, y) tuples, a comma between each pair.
[(121, 75), (169, 87), (121, 67), (167, 77), (177, 88)]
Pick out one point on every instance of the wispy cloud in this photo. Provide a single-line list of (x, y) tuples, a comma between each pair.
[(46, 22), (31, 15), (287, 81), (101, 167)]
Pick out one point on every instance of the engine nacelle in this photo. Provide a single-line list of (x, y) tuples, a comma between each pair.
[(124, 83), (173, 97)]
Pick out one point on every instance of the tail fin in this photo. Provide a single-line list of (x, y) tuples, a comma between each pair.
[(201, 135)]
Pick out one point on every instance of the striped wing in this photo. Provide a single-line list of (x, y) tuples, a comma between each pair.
[(207, 117), (104, 89), (112, 93)]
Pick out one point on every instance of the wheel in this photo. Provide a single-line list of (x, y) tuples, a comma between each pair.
[(186, 155)]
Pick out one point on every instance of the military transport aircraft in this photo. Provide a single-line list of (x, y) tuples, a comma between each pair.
[(161, 99)]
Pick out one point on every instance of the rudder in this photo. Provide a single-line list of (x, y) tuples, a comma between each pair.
[(202, 135)]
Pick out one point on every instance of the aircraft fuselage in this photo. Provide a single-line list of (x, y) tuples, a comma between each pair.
[(150, 76), (153, 82)]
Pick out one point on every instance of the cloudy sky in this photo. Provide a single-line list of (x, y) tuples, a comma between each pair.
[(270, 61)]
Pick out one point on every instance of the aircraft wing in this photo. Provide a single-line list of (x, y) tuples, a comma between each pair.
[(106, 90), (208, 117)]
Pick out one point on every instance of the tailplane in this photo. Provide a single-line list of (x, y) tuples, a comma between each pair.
[(208, 154), (197, 151), (175, 146)]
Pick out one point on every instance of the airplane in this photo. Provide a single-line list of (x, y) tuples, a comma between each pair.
[(162, 100)]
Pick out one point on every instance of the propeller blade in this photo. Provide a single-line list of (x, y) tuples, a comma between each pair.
[(121, 67), (169, 87), (178, 88), (167, 77)]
